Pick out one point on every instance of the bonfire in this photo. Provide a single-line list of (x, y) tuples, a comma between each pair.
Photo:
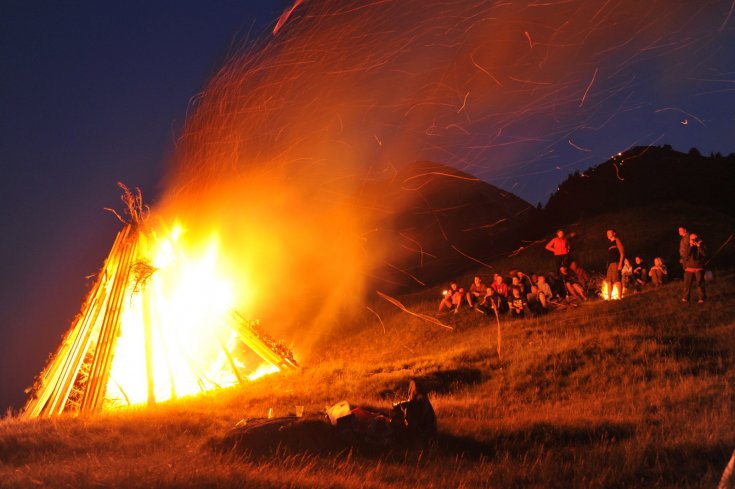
[(159, 323)]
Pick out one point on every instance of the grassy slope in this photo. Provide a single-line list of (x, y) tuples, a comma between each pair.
[(638, 393)]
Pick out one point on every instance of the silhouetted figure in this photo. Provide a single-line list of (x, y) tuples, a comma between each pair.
[(694, 269), (414, 419), (683, 246), (640, 273), (615, 257)]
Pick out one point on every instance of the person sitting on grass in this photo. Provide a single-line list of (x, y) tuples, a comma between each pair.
[(476, 292), (582, 276), (536, 301), (517, 304), (452, 298), (640, 273), (658, 272), (572, 285), (500, 297), (626, 275), (487, 304), (525, 281), (558, 289), (544, 291), (514, 282)]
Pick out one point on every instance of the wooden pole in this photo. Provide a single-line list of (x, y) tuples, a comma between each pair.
[(110, 327), (57, 379), (230, 360)]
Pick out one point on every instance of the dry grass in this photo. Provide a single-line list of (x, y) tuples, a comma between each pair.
[(637, 393)]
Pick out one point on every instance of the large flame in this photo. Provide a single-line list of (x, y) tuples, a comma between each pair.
[(174, 328)]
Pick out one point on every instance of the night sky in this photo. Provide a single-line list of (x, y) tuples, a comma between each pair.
[(92, 93)]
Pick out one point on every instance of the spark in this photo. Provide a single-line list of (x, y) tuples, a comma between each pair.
[(484, 70), (464, 103), (403, 308), (528, 36), (683, 112), (727, 18), (578, 147), (420, 249), (617, 172), (285, 16), (377, 316), (471, 258), (530, 82), (412, 277), (442, 174), (486, 226), (589, 86)]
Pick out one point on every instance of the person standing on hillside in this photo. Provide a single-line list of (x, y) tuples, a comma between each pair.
[(694, 268), (559, 246), (615, 257), (683, 245)]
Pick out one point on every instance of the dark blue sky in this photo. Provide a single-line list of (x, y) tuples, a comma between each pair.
[(92, 93)]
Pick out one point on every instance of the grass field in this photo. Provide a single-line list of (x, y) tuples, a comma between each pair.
[(635, 393)]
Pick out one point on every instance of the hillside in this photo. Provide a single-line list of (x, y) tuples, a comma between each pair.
[(645, 176), (434, 220), (635, 393), (647, 231)]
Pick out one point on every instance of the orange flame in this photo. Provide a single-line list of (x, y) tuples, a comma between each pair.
[(180, 310), (604, 292)]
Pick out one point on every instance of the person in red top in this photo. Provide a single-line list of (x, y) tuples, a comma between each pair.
[(500, 295), (559, 246)]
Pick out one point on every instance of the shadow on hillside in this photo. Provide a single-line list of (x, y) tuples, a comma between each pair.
[(519, 442), (702, 355), (438, 382), (683, 464), (267, 438)]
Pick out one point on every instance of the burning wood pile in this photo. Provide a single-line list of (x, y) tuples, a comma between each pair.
[(137, 339)]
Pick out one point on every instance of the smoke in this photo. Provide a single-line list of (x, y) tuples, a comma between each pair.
[(282, 144)]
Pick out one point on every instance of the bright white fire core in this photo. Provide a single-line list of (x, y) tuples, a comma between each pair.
[(174, 325)]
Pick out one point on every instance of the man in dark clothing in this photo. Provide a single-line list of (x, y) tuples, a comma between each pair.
[(640, 273), (683, 245), (694, 269), (414, 420)]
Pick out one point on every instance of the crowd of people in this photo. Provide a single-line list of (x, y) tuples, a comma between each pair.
[(521, 295)]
